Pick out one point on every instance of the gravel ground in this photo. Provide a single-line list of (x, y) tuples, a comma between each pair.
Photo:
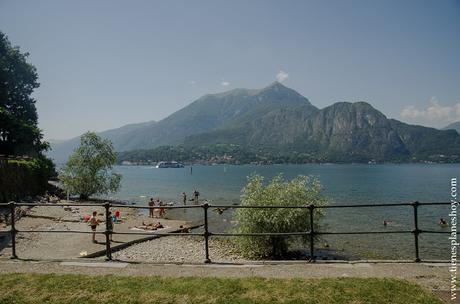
[(176, 249), (43, 246)]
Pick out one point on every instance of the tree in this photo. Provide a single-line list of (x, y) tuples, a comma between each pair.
[(19, 133), (89, 169), (299, 191)]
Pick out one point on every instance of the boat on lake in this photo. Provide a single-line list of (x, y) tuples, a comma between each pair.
[(169, 164)]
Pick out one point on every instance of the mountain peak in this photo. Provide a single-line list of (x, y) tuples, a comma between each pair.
[(276, 86), (279, 91), (236, 91)]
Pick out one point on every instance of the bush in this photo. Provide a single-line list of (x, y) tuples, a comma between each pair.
[(299, 191), (24, 177)]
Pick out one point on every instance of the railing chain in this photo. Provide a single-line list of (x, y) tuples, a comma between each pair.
[(312, 233)]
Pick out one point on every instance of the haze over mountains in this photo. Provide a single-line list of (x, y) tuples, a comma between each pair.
[(279, 119), (453, 126)]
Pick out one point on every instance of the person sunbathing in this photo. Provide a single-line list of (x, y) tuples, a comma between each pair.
[(184, 229), (220, 210), (145, 227), (152, 226), (158, 225)]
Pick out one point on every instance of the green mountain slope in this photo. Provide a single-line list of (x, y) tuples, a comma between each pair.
[(61, 150), (428, 143), (341, 132), (210, 112), (278, 124)]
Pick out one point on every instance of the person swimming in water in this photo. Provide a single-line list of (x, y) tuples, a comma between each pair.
[(443, 223)]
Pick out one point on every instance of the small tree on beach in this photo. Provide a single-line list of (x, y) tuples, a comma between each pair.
[(299, 191), (89, 169)]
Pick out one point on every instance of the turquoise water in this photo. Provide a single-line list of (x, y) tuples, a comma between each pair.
[(343, 184)]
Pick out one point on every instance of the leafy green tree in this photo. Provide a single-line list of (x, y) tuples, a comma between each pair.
[(299, 191), (89, 169), (19, 133)]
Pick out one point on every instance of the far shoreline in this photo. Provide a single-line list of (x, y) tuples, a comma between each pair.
[(188, 165)]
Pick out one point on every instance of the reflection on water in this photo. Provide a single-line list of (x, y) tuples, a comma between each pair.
[(343, 184)]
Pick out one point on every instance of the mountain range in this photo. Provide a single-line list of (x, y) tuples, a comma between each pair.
[(453, 126), (279, 119)]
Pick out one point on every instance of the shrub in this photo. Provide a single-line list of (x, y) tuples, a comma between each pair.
[(24, 177), (299, 191)]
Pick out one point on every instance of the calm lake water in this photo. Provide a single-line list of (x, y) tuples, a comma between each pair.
[(343, 184)]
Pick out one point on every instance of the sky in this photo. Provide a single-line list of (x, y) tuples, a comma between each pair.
[(104, 64)]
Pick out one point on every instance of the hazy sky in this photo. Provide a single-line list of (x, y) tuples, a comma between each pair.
[(103, 64)]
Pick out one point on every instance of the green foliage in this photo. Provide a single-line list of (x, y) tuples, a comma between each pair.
[(430, 144), (288, 154), (89, 170), (219, 153), (19, 133), (299, 191), (213, 153), (24, 177)]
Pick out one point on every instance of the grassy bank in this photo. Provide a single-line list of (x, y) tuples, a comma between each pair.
[(35, 288)]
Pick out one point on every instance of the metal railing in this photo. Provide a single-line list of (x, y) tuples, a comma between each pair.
[(311, 233)]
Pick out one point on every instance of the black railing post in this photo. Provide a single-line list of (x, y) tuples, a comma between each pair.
[(108, 231), (206, 233), (311, 207), (13, 230), (416, 231)]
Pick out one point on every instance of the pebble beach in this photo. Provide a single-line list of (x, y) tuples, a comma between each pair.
[(150, 248), (179, 249)]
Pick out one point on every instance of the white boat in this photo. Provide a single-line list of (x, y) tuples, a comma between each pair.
[(169, 164)]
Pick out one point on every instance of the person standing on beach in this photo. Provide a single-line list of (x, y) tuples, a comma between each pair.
[(94, 222), (184, 198), (162, 209), (151, 205), (196, 194)]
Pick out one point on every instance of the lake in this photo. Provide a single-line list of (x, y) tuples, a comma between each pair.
[(343, 184)]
